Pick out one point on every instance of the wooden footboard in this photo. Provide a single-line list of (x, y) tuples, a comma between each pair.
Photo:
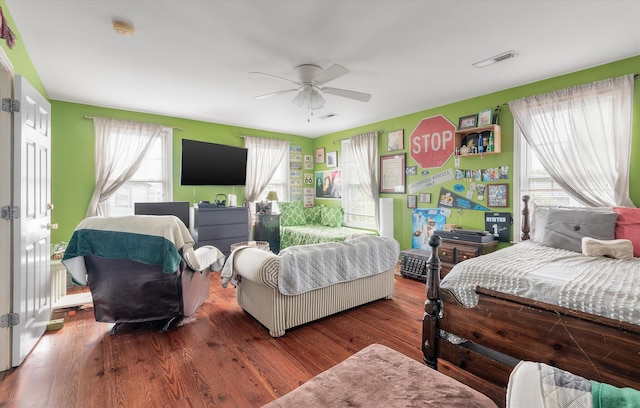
[(503, 329)]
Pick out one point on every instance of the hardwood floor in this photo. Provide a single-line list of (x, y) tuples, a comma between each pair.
[(220, 357)]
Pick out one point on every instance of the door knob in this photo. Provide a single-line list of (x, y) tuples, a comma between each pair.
[(52, 226), (49, 206)]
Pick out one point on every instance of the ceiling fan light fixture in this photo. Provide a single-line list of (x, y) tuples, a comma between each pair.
[(495, 59), (309, 98)]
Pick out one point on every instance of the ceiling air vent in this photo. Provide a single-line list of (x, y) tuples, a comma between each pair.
[(497, 58)]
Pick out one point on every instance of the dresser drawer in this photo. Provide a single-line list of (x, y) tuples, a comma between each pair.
[(466, 252), (455, 251), (447, 253)]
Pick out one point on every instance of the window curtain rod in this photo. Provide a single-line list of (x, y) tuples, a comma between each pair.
[(635, 77), (379, 132), (243, 136), (172, 127)]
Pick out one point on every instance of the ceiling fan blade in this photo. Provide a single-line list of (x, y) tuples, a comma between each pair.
[(276, 77), (345, 93), (331, 73), (274, 93)]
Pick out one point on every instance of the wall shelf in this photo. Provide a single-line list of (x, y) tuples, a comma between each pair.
[(460, 136)]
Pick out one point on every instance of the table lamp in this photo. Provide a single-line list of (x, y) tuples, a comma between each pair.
[(271, 196)]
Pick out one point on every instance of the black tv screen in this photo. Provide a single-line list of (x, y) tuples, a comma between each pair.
[(212, 164), (178, 208)]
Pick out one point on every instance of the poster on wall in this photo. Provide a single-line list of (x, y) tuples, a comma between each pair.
[(308, 200), (329, 184), (499, 225), (424, 223), (449, 199)]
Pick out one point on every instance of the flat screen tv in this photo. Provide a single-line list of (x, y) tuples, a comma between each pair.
[(178, 208), (212, 164)]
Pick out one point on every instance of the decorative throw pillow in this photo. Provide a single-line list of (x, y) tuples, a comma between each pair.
[(566, 227), (539, 219), (538, 222), (628, 226), (291, 213), (313, 215), (615, 248), (332, 216)]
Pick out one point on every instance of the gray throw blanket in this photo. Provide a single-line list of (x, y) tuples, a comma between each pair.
[(307, 267)]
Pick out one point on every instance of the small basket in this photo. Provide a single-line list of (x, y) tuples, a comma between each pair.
[(264, 245)]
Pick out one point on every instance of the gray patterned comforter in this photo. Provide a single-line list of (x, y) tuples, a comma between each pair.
[(307, 267), (602, 286)]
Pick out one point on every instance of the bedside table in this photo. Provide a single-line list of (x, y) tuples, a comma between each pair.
[(453, 251), (267, 228)]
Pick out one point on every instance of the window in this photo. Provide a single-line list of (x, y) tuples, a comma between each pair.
[(581, 136), (536, 182), (152, 182), (359, 208), (278, 183)]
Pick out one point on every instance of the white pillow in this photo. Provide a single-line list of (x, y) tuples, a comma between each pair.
[(538, 221), (613, 248)]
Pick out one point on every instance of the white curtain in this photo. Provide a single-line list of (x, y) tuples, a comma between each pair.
[(582, 137), (365, 153), (263, 158), (119, 147)]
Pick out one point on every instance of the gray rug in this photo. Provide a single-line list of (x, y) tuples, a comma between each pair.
[(378, 376)]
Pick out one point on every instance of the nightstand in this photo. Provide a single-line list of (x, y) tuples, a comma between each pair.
[(453, 251), (267, 228)]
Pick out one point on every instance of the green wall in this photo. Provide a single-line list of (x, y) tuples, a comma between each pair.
[(72, 147), (19, 56), (475, 219), (72, 157)]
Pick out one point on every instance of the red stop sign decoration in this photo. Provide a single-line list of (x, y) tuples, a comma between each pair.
[(432, 141)]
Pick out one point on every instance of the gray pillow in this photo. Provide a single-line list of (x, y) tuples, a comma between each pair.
[(565, 228)]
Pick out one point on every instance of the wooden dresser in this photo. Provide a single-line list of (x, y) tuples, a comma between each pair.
[(221, 227), (452, 251)]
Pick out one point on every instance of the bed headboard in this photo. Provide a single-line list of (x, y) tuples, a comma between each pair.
[(178, 208)]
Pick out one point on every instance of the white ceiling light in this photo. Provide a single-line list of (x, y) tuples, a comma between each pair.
[(494, 59), (309, 98)]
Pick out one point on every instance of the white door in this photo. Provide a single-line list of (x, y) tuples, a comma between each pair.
[(31, 235)]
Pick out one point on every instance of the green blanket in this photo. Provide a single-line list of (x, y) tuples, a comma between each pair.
[(608, 396), (148, 249), (150, 239)]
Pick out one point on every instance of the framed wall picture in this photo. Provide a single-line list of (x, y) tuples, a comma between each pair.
[(332, 159), (497, 195), (395, 140), (467, 122), (411, 201), (392, 176), (320, 155), (484, 117), (328, 184), (425, 198)]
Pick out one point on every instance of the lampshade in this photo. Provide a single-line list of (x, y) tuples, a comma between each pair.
[(309, 98), (272, 196)]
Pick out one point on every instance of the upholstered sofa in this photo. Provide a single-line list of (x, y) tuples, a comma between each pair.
[(307, 282)]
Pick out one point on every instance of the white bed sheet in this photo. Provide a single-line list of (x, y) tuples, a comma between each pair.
[(602, 286)]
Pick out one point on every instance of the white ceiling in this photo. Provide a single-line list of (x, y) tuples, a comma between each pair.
[(192, 58)]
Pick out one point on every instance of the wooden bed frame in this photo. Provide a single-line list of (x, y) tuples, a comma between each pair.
[(504, 329)]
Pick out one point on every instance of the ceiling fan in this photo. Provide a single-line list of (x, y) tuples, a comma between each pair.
[(309, 86)]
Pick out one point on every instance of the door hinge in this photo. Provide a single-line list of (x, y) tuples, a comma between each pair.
[(9, 320), (10, 105), (10, 213)]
